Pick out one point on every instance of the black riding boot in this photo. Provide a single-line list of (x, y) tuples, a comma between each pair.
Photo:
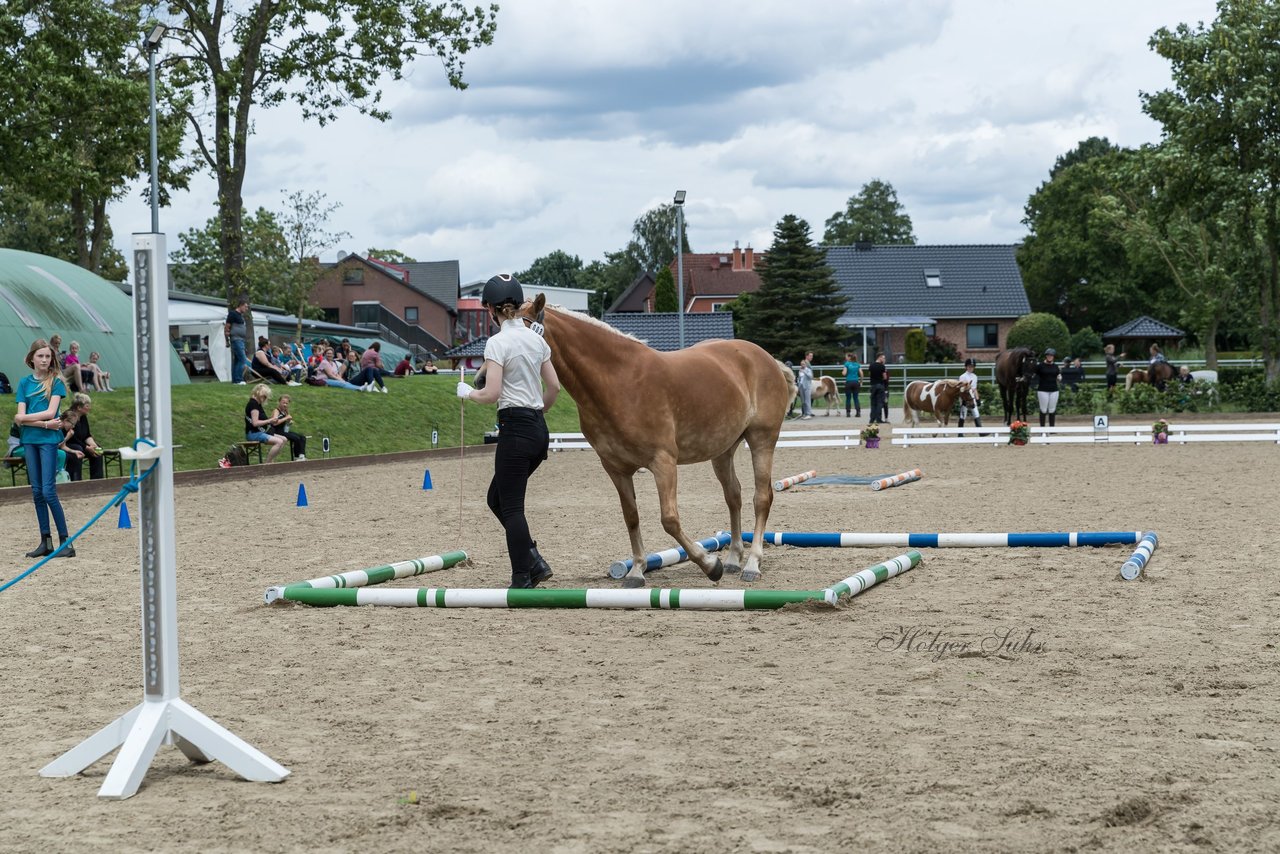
[(977, 422), (45, 547), (1053, 419), (540, 571), (1041, 419), (960, 423), (67, 551)]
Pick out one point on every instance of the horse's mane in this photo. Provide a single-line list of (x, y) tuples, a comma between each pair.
[(586, 318)]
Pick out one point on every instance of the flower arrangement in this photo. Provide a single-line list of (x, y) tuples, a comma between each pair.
[(1019, 433), (1159, 427), (871, 431)]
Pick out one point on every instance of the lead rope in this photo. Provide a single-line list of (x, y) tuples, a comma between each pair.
[(462, 443)]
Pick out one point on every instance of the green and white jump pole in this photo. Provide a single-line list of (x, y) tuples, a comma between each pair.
[(373, 575), (630, 599)]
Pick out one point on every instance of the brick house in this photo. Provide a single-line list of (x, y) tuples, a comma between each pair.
[(416, 303), (968, 295), (712, 280)]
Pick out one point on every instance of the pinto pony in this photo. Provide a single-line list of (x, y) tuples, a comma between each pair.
[(643, 409), (825, 389), (1015, 369), (937, 398), (1137, 375)]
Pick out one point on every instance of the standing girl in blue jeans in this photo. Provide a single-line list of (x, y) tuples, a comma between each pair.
[(39, 396)]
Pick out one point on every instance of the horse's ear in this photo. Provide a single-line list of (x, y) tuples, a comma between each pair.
[(539, 303)]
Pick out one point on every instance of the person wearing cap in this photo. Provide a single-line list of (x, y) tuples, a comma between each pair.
[(1048, 376), (517, 375), (970, 378)]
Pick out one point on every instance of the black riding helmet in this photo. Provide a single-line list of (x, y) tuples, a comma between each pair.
[(501, 289)]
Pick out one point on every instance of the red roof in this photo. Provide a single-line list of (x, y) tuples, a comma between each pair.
[(720, 273)]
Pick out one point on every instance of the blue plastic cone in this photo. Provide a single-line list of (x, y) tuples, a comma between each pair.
[(302, 496), (124, 516), (426, 479)]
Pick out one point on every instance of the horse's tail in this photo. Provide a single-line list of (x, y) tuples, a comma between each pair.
[(791, 380)]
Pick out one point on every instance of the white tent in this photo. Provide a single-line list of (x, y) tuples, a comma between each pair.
[(195, 321)]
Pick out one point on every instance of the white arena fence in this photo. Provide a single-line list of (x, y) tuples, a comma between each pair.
[(1123, 434)]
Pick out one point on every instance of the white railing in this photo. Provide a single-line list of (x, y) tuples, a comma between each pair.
[(1133, 434), (1126, 434)]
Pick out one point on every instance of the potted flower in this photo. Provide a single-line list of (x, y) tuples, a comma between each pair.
[(1160, 432), (1019, 433), (871, 436)]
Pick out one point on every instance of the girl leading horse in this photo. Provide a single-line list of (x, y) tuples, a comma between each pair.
[(640, 408)]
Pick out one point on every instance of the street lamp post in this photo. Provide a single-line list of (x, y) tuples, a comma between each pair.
[(152, 44), (679, 203)]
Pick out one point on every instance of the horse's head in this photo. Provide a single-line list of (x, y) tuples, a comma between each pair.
[(968, 397), (533, 311), (1026, 366)]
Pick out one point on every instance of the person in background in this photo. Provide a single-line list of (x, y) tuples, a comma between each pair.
[(970, 379), (370, 375), (804, 380), (263, 366), (428, 367), (283, 420), (1048, 375), (1184, 375), (237, 332), (257, 423), (78, 440), (1112, 368), (520, 378), (329, 371), (38, 397), (879, 391), (71, 368), (404, 367), (852, 386)]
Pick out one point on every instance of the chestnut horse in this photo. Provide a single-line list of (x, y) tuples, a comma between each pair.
[(643, 409), (1015, 371), (1160, 373), (825, 389), (937, 398), (1137, 375)]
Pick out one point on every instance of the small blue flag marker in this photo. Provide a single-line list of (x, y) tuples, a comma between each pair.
[(302, 496), (426, 479), (124, 516)]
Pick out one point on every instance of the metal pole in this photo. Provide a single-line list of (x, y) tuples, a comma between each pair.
[(155, 201), (680, 266)]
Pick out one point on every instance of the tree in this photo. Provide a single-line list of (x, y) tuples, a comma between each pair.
[(75, 98), (664, 292), (324, 55), (608, 279), (798, 303), (914, 345), (1039, 331), (558, 269), (391, 256), (1223, 113), (874, 215), (198, 261), (653, 239), (1072, 264), (304, 225), (32, 225)]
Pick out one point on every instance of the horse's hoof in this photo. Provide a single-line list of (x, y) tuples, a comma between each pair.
[(632, 581), (732, 568), (717, 571), (750, 575)]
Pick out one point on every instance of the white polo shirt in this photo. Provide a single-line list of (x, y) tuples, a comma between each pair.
[(521, 352)]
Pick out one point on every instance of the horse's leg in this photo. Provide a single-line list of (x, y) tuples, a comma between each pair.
[(664, 470), (728, 477), (762, 447), (624, 483)]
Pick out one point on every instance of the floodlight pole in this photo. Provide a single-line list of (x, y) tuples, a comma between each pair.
[(152, 45), (162, 717), (679, 203)]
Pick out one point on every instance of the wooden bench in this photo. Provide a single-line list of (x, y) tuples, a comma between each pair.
[(15, 465), (111, 457), (251, 448)]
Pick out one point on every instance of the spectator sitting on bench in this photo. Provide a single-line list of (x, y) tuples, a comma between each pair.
[(261, 365), (79, 442), (283, 421), (256, 422)]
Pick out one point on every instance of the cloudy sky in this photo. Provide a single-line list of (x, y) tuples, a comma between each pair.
[(585, 113)]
